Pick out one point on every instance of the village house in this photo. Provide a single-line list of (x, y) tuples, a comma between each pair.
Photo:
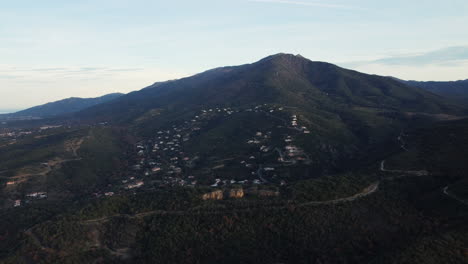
[(37, 195), (137, 184)]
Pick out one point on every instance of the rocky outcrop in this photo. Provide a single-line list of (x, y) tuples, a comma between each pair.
[(214, 195), (236, 193)]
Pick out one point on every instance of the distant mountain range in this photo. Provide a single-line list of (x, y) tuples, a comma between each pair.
[(457, 90), (65, 106)]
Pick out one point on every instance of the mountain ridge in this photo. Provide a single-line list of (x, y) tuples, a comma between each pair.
[(352, 114), (271, 78), (455, 90), (60, 107)]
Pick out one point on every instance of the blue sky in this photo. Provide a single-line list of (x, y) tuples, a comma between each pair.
[(50, 50)]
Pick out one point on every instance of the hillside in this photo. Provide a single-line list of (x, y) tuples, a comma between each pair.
[(350, 116), (65, 106), (369, 216), (456, 90)]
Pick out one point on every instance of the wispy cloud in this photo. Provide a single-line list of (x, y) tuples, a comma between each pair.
[(126, 70), (27, 86), (445, 64), (304, 3), (66, 70), (450, 56)]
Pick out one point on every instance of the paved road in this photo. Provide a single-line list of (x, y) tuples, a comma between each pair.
[(446, 192), (414, 173), (365, 192)]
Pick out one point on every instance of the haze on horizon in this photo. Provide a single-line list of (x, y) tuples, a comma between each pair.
[(54, 49)]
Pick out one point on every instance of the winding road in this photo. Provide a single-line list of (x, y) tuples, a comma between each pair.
[(365, 192), (414, 173), (446, 192)]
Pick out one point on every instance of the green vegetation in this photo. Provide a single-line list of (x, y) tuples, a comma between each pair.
[(100, 162), (36, 149), (330, 187), (381, 228), (440, 149)]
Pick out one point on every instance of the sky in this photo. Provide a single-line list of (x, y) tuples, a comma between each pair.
[(54, 49)]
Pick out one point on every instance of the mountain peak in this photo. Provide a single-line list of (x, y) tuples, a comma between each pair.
[(284, 56)]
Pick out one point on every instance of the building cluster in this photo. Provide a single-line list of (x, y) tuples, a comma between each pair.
[(163, 159), (15, 134)]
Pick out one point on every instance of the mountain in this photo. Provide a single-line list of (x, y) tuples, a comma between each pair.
[(65, 106), (281, 78), (456, 90), (350, 114)]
